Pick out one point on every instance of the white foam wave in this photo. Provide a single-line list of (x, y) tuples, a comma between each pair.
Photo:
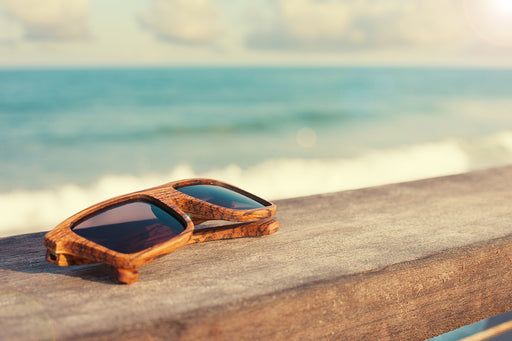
[(30, 211)]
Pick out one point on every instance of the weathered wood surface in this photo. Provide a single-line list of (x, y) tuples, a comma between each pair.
[(405, 261)]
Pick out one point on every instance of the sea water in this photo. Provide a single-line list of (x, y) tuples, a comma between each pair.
[(72, 137)]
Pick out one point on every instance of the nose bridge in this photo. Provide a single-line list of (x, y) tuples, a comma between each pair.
[(193, 208), (165, 194), (173, 199)]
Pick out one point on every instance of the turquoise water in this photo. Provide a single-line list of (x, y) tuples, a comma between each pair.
[(479, 326), (72, 137)]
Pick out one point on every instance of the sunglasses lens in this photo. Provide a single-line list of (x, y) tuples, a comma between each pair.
[(221, 196), (130, 227)]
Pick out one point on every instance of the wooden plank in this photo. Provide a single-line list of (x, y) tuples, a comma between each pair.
[(402, 261)]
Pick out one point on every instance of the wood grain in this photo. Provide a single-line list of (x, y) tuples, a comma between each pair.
[(399, 262)]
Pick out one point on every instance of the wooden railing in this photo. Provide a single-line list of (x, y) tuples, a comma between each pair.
[(405, 261)]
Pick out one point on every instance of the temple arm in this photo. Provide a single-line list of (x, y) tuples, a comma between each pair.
[(251, 229)]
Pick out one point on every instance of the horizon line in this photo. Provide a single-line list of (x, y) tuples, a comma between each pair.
[(253, 66)]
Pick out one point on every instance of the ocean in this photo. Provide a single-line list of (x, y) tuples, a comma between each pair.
[(72, 137)]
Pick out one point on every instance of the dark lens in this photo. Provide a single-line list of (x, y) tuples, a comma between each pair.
[(221, 196), (130, 227)]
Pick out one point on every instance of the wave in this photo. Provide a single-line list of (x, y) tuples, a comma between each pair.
[(201, 126), (29, 211)]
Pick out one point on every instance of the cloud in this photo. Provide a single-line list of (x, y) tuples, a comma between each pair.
[(360, 24), (309, 21), (49, 19), (183, 21)]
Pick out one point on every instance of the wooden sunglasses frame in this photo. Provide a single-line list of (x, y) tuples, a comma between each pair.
[(64, 247)]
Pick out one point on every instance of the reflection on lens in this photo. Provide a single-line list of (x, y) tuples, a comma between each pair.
[(221, 196), (131, 227)]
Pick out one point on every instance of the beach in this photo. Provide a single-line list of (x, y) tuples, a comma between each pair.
[(73, 137)]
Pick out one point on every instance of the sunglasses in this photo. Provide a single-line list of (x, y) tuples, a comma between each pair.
[(131, 230)]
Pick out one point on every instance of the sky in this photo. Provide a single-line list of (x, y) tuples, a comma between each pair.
[(91, 33)]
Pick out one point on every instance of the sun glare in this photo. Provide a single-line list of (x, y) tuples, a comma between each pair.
[(503, 7), (491, 20)]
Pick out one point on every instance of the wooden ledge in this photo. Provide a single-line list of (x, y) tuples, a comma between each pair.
[(403, 261)]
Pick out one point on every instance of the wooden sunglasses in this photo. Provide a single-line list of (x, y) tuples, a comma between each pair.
[(131, 230)]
